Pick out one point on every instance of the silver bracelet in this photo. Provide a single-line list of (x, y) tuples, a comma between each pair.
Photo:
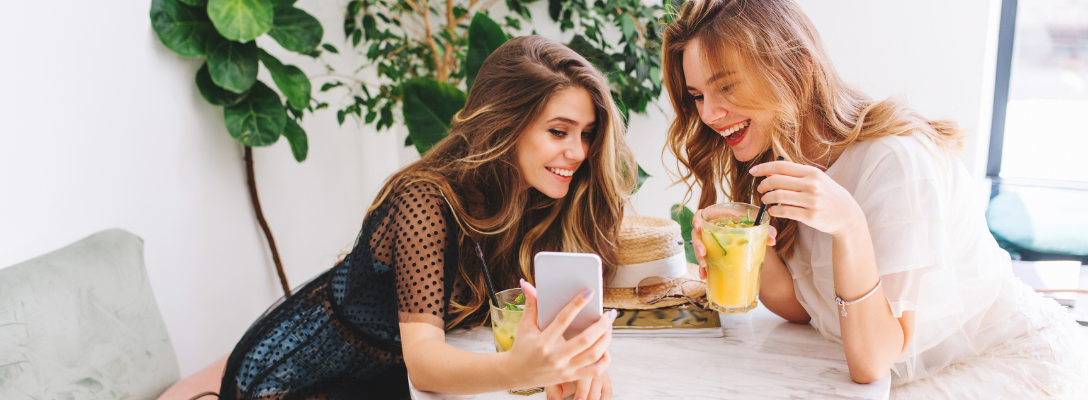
[(843, 304)]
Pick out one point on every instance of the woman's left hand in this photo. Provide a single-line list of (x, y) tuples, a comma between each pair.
[(597, 388), (806, 194)]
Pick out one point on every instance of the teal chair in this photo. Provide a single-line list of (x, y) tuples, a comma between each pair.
[(1035, 223), (81, 323)]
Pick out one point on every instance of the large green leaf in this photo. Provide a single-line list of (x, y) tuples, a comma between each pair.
[(257, 120), (215, 94), (684, 216), (181, 28), (281, 3), (429, 106), (290, 79), (296, 30), (232, 65), (554, 8), (642, 175), (484, 36), (297, 138), (241, 20), (196, 3)]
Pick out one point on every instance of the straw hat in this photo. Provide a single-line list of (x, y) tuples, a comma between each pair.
[(648, 247)]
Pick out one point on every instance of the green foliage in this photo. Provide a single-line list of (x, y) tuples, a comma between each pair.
[(233, 65), (215, 94), (428, 119), (633, 66), (292, 82), (684, 217), (484, 36), (223, 31), (642, 175), (296, 30), (425, 59), (297, 138), (257, 120), (392, 36), (241, 20), (181, 28)]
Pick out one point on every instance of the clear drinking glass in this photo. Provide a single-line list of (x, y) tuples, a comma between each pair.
[(504, 326), (734, 255)]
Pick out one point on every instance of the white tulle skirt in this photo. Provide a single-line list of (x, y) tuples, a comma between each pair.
[(1044, 355)]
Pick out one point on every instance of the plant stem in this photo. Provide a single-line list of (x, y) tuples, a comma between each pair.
[(252, 183)]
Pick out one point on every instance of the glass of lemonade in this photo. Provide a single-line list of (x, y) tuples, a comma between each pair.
[(735, 248), (504, 321), (504, 325)]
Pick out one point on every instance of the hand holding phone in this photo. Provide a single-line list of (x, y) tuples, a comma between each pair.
[(562, 276), (544, 358)]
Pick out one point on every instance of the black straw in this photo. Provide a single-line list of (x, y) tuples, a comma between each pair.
[(763, 207), (487, 276)]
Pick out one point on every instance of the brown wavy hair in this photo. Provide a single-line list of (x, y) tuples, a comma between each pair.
[(787, 71), (476, 168)]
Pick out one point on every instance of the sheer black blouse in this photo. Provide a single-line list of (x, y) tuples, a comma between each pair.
[(337, 337)]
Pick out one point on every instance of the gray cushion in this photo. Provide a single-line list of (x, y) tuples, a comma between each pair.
[(81, 323)]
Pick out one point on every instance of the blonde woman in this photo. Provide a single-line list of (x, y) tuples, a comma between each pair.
[(535, 161), (880, 243)]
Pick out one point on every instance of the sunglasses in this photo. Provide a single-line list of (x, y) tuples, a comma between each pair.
[(655, 288)]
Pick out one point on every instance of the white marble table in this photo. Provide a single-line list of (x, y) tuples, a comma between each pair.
[(761, 357)]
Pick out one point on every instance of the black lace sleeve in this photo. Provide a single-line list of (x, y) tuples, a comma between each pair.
[(412, 238)]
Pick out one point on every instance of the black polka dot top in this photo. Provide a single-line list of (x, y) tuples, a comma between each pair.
[(338, 336)]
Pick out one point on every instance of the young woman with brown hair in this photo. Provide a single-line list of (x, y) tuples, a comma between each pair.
[(535, 161), (880, 243)]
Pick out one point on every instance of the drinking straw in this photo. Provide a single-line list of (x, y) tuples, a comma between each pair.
[(487, 276), (763, 207)]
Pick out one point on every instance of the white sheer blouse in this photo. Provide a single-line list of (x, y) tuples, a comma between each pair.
[(934, 252)]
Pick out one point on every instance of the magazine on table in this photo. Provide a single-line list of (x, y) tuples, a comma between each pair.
[(679, 321)]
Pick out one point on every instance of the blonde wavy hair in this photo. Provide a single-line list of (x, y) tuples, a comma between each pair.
[(777, 49), (476, 168)]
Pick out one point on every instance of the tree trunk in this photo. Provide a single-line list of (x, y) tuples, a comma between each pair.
[(252, 183)]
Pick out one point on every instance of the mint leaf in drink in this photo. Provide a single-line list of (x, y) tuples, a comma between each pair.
[(512, 307), (520, 299)]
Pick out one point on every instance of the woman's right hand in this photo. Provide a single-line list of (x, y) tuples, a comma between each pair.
[(543, 358), (697, 242), (700, 250)]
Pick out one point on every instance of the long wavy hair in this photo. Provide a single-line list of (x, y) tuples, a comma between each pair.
[(779, 53), (476, 169)]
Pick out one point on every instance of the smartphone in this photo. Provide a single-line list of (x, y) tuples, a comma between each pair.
[(559, 278)]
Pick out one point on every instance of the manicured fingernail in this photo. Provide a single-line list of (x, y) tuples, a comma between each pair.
[(614, 313), (587, 293), (752, 171)]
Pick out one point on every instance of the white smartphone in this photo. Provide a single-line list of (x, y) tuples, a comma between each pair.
[(559, 278)]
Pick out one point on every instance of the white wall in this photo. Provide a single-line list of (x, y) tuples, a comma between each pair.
[(103, 127)]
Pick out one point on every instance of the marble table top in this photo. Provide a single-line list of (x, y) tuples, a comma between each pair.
[(761, 356)]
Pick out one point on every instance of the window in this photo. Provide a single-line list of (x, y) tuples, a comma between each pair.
[(1040, 126)]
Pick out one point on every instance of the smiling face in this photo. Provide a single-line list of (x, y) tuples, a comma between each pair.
[(555, 144), (746, 131)]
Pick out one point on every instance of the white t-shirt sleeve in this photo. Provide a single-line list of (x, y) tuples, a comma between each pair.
[(901, 193)]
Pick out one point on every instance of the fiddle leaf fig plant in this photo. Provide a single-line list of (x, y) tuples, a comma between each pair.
[(223, 32)]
